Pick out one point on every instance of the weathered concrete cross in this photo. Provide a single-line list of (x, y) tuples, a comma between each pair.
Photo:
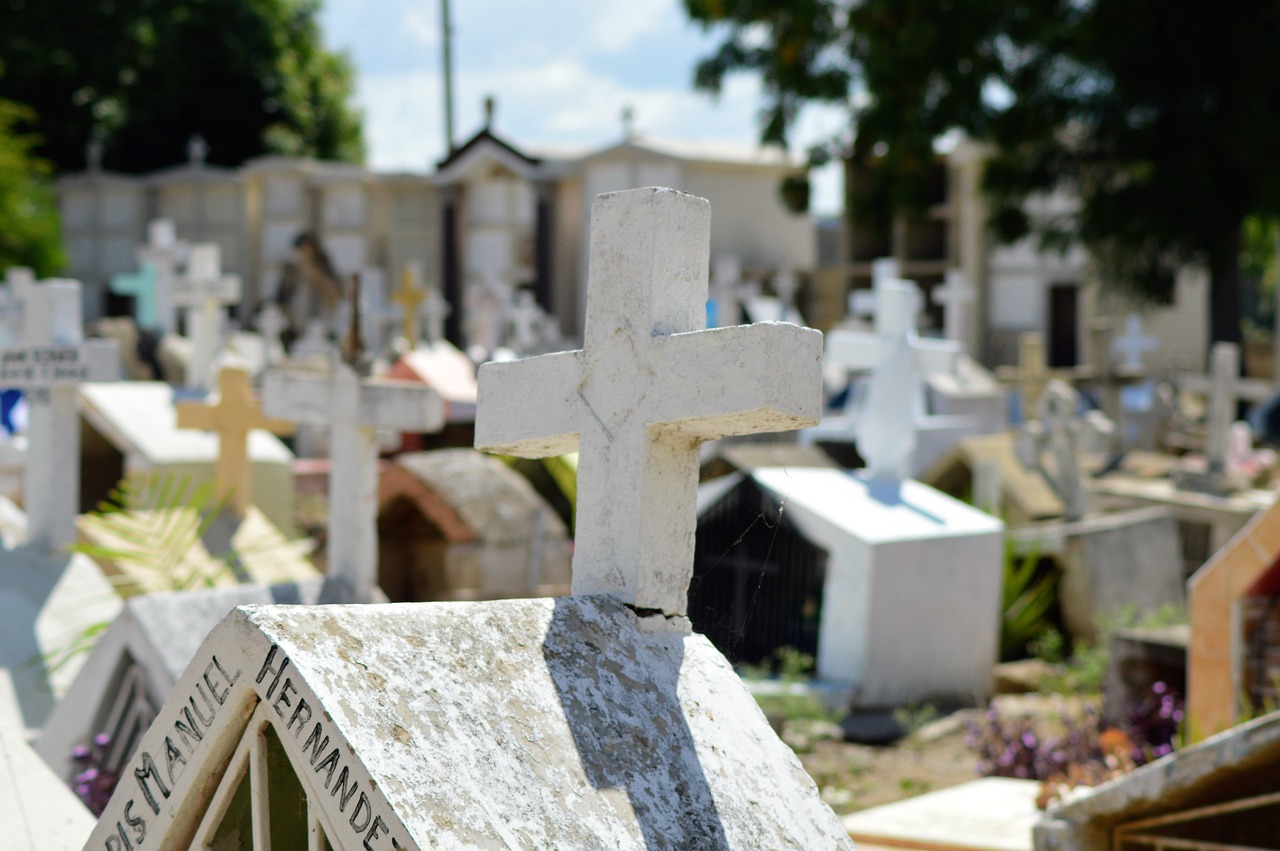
[(409, 297), (1133, 343), (354, 410), (887, 412), (648, 386), (48, 367), (1032, 372), (232, 417), (204, 291), (1061, 432)]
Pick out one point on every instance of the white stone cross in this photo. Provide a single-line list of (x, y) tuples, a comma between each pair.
[(18, 281), (354, 410), (1133, 343), (526, 323), (486, 298), (886, 413), (435, 310), (1224, 397), (203, 291), (314, 342), (648, 386), (164, 252), (49, 365), (197, 151), (377, 313), (726, 280), (954, 296), (885, 269), (271, 324), (1060, 431)]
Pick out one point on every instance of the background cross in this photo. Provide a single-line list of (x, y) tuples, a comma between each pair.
[(955, 296), (409, 297), (204, 291), (647, 387), (232, 416), (1132, 344), (1059, 430)]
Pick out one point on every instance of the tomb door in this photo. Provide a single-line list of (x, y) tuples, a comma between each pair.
[(1063, 324)]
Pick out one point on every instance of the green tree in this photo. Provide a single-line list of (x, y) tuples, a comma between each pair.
[(1159, 116), (143, 76), (29, 234)]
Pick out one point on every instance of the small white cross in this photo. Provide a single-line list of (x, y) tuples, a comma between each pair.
[(1133, 343), (165, 253), (726, 280), (1059, 431), (955, 296), (354, 410), (647, 387), (49, 366), (271, 324), (885, 269), (486, 299), (526, 323), (203, 291), (435, 310), (197, 150), (886, 413)]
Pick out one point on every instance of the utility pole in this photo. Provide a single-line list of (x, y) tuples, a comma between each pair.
[(447, 35)]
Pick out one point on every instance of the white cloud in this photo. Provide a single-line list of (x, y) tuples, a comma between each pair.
[(419, 26), (616, 26)]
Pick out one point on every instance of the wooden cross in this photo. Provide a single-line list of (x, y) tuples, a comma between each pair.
[(1059, 430), (354, 410), (163, 252), (204, 291), (49, 366), (235, 413), (409, 297), (1132, 344), (886, 415), (955, 296), (648, 386)]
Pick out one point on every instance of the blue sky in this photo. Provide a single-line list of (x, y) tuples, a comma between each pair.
[(561, 71)]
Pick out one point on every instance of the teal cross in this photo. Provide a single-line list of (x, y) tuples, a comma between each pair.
[(142, 286)]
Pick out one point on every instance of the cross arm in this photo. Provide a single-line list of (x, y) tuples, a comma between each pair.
[(530, 407), (744, 379), (297, 396), (401, 405), (854, 350), (196, 415)]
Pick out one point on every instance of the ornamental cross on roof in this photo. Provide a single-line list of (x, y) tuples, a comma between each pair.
[(648, 386)]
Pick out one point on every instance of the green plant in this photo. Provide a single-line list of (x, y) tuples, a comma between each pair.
[(1085, 670), (793, 665), (1028, 596), (1049, 646), (914, 715)]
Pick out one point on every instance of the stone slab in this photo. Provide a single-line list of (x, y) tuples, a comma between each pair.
[(39, 812), (446, 370), (992, 814), (566, 723)]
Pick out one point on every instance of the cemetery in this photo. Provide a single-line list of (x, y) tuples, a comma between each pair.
[(614, 494)]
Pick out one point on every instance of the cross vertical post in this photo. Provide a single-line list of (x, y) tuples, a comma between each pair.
[(1033, 372), (204, 291), (162, 252), (409, 297), (648, 386), (1133, 344), (955, 296)]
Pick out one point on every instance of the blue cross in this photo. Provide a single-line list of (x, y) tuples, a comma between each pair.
[(142, 286)]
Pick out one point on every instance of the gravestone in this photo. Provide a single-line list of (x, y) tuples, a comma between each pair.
[(911, 594), (526, 324), (49, 366), (132, 669), (377, 312), (314, 346), (409, 297), (970, 391), (39, 811), (203, 291), (887, 417), (486, 299), (991, 814), (354, 409), (1133, 344), (643, 392), (1060, 432), (232, 416), (956, 296), (610, 725), (435, 310), (163, 253)]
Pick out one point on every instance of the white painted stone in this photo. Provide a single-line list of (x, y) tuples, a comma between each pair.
[(435, 310), (48, 367), (314, 346), (164, 253), (378, 315), (203, 291), (911, 599), (970, 391), (354, 410), (991, 814), (1133, 344), (885, 269), (955, 296), (526, 323), (885, 419), (271, 324), (18, 281), (604, 730), (726, 280), (38, 810), (486, 299), (1061, 432), (645, 390), (132, 669)]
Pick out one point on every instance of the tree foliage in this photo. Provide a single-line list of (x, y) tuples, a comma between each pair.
[(29, 233), (143, 76), (1160, 117)]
